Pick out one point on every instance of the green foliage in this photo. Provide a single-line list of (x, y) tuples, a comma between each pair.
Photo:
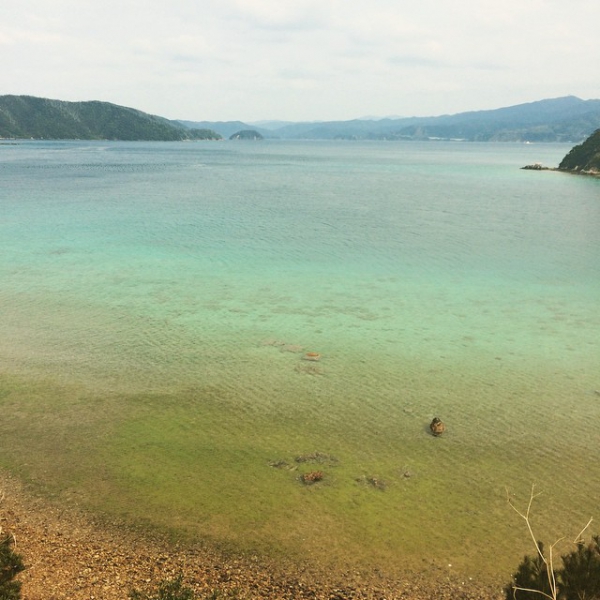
[(11, 565), (172, 589), (578, 579), (584, 157), (532, 574)]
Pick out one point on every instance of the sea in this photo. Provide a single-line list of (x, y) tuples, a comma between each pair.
[(244, 343)]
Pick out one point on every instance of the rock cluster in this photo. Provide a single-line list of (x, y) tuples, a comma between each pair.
[(535, 167)]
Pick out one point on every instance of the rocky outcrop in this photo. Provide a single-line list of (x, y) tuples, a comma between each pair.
[(584, 158), (535, 167)]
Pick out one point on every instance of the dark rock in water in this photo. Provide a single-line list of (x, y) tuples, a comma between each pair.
[(377, 483), (373, 481), (312, 477), (437, 427), (535, 167)]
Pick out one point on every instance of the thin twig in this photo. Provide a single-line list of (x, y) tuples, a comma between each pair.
[(522, 589), (579, 538), (549, 562)]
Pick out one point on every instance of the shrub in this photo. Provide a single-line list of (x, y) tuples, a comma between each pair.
[(530, 579), (172, 589), (11, 564), (579, 579)]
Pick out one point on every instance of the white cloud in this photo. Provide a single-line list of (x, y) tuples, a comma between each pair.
[(272, 14), (307, 59)]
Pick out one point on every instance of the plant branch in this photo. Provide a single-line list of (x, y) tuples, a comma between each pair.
[(579, 538)]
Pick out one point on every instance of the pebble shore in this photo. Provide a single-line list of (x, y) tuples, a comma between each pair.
[(68, 556)]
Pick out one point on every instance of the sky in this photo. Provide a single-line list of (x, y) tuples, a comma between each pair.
[(300, 60)]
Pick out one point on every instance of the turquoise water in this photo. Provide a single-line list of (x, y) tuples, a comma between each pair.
[(432, 278)]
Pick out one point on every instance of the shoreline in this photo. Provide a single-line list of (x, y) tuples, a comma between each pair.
[(69, 555), (539, 167)]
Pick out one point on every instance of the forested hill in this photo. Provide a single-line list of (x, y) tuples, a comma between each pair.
[(40, 118), (584, 158)]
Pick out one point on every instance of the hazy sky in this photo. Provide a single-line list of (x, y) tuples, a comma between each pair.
[(300, 59)]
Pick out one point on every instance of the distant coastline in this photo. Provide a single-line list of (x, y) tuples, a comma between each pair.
[(591, 173), (563, 120)]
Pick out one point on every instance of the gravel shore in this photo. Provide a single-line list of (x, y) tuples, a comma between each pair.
[(69, 556)]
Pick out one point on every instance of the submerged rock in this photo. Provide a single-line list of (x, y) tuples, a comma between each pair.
[(312, 477)]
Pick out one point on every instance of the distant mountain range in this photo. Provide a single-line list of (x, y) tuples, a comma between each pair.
[(567, 119), (40, 118)]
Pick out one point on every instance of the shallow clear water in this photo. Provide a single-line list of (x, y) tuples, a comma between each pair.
[(433, 279)]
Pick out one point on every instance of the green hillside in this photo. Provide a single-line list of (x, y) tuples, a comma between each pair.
[(26, 117), (246, 134), (584, 158)]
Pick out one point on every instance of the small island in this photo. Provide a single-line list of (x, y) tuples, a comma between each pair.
[(246, 134)]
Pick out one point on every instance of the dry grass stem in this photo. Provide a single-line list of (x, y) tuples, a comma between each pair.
[(549, 560), (579, 539)]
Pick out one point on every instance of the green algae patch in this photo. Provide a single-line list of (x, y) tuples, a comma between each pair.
[(205, 464)]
